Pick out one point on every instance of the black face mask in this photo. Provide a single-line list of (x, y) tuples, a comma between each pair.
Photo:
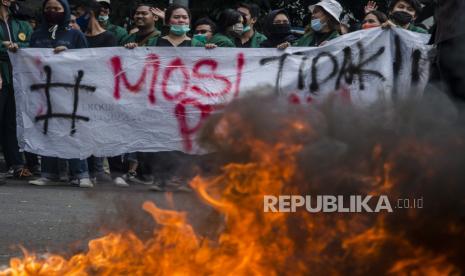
[(280, 31), (401, 18), (54, 18)]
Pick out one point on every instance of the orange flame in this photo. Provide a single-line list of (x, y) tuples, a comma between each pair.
[(251, 242)]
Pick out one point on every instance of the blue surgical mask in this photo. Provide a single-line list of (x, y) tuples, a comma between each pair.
[(317, 25), (83, 21), (103, 18), (179, 29), (201, 37)]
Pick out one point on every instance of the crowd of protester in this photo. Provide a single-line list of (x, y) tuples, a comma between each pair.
[(89, 26)]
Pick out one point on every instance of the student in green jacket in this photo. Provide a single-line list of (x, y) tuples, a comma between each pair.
[(250, 38), (402, 13), (204, 29), (147, 34), (230, 29), (324, 26), (178, 19), (14, 34), (104, 20)]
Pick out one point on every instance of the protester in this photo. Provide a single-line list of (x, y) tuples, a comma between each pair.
[(230, 29), (324, 25), (104, 20), (278, 29), (204, 29), (96, 35), (55, 33), (177, 18), (147, 34), (374, 19), (73, 24), (82, 16), (166, 165), (250, 37), (14, 34), (402, 13)]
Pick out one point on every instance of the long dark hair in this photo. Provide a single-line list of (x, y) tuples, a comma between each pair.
[(228, 18)]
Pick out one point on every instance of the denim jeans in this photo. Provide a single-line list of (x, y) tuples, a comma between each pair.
[(78, 169), (95, 165)]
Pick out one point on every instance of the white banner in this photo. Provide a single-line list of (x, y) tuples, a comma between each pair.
[(110, 101)]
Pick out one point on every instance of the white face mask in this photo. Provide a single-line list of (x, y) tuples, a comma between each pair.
[(238, 28), (103, 18)]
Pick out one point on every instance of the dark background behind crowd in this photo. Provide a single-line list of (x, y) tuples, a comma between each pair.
[(122, 10)]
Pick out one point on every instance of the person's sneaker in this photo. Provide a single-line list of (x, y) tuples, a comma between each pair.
[(36, 170), (178, 184), (43, 181), (156, 188), (82, 183), (63, 178), (176, 181), (103, 178), (132, 177), (120, 182), (10, 173), (183, 188)]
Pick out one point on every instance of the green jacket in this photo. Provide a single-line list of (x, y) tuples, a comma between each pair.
[(222, 40), (20, 34), (119, 32), (131, 38), (416, 29), (257, 40), (308, 39)]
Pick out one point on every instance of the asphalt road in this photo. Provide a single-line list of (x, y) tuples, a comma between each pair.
[(63, 219)]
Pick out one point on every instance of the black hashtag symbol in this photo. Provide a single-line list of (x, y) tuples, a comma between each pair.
[(77, 87)]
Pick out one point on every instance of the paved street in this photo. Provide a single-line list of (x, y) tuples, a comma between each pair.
[(63, 219)]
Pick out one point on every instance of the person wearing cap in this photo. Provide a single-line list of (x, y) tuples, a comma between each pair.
[(104, 20), (402, 13), (324, 26)]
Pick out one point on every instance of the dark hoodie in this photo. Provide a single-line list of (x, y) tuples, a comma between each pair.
[(52, 36), (274, 39)]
